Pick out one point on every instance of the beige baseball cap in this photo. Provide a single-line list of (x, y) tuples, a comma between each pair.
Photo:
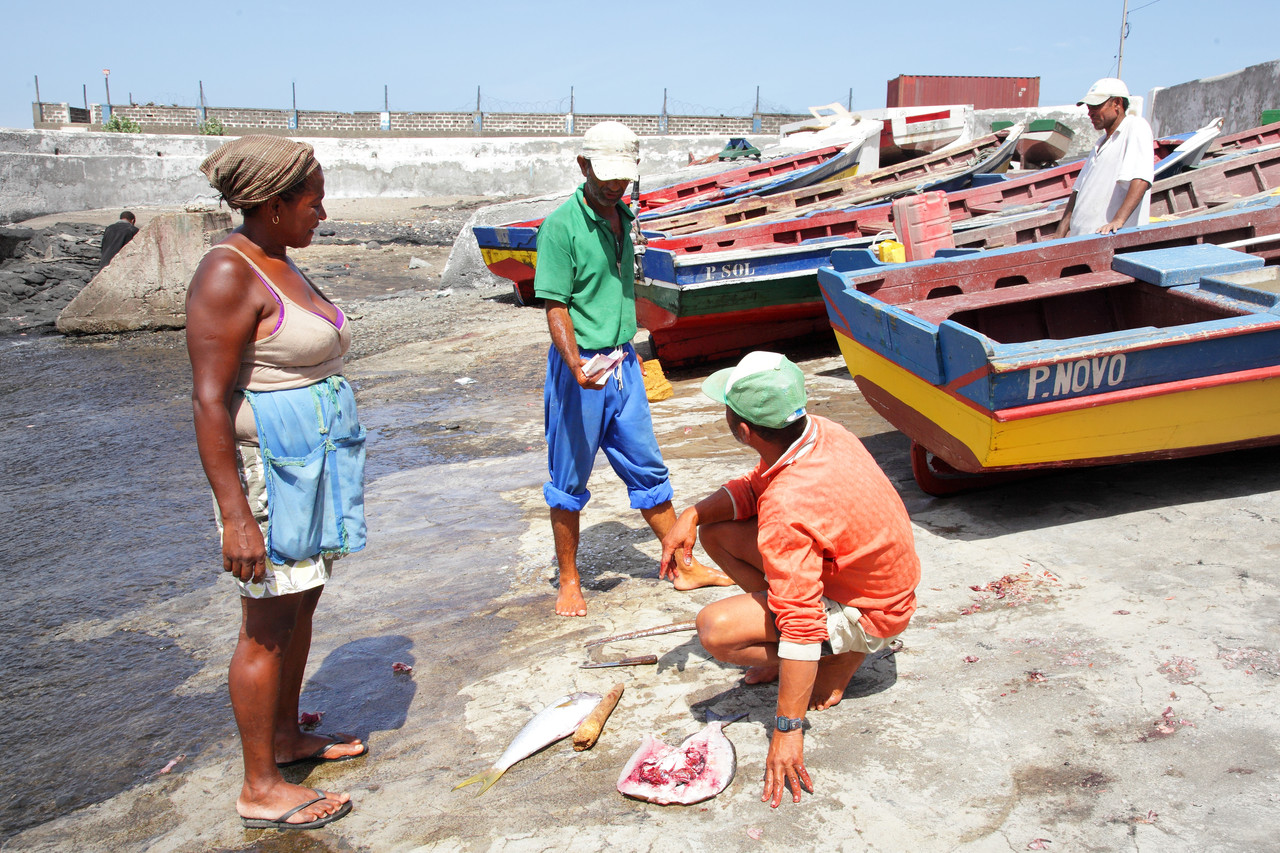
[(614, 151), (1103, 91)]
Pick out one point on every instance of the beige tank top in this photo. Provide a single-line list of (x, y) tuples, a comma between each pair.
[(301, 350)]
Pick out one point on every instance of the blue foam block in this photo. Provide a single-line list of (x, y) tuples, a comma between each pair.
[(1183, 264)]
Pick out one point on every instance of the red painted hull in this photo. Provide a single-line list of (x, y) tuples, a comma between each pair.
[(716, 336)]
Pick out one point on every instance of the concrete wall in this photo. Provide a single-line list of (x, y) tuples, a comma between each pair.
[(1239, 97), (44, 172)]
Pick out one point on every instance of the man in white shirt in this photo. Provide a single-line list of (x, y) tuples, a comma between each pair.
[(1114, 187)]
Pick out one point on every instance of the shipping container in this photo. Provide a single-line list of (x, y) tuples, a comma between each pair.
[(984, 93)]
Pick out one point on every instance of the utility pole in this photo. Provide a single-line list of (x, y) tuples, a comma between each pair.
[(1124, 25), (106, 80), (38, 93), (386, 99), (477, 99)]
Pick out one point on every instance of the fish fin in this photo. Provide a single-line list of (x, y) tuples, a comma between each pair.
[(493, 776), (488, 777), (476, 778)]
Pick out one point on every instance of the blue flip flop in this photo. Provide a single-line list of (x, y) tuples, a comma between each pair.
[(319, 754), (282, 822)]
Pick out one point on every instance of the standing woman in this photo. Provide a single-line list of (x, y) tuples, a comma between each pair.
[(266, 354)]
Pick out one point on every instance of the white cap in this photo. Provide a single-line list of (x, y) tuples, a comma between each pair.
[(614, 151), (1103, 91)]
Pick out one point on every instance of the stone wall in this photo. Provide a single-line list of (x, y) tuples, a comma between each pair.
[(1239, 97)]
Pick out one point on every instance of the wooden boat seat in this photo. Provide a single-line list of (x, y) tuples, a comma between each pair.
[(939, 309)]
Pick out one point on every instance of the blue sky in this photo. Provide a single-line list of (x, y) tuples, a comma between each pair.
[(617, 57)]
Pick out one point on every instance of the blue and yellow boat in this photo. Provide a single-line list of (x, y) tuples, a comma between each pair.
[(1152, 343)]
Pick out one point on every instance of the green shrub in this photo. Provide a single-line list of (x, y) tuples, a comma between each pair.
[(121, 124), (212, 127)]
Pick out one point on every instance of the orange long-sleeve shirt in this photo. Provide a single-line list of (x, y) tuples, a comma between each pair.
[(830, 524)]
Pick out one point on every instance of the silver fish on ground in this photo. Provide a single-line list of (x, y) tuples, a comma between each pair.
[(554, 722), (699, 768)]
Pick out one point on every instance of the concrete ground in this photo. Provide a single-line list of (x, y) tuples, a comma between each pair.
[(1095, 663)]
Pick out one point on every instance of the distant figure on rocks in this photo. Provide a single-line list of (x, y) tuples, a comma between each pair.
[(266, 353), (820, 543), (586, 278), (117, 236), (1113, 190)]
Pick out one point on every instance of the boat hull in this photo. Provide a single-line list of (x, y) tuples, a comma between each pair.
[(1148, 359), (1188, 418)]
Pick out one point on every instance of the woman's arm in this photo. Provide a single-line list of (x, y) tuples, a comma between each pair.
[(224, 309)]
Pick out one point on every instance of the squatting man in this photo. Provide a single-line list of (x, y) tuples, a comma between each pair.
[(820, 543)]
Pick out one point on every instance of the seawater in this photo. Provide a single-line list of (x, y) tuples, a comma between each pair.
[(104, 506), (107, 513)]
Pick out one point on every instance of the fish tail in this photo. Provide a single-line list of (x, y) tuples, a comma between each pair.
[(488, 777)]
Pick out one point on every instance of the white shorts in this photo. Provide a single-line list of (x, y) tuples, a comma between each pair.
[(846, 632), (280, 578)]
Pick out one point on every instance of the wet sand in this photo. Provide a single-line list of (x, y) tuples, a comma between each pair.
[(1118, 694)]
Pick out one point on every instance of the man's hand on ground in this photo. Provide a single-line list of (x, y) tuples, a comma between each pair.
[(784, 767), (678, 544)]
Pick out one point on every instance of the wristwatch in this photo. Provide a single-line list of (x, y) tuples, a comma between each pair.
[(790, 724)]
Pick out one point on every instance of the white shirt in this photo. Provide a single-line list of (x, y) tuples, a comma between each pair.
[(1127, 155)]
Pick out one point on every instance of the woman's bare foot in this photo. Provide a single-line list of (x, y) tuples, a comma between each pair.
[(760, 674), (696, 575), (310, 746), (271, 803), (570, 601), (834, 674)]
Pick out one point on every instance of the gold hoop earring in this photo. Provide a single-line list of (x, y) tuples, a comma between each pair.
[(275, 220)]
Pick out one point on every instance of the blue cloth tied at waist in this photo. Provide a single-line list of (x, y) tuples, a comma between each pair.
[(313, 447)]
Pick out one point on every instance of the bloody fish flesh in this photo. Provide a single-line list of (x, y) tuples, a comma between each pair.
[(699, 768)]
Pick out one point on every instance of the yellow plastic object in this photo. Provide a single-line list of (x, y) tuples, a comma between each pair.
[(656, 386), (891, 252)]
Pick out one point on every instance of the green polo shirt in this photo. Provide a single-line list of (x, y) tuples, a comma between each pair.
[(578, 265)]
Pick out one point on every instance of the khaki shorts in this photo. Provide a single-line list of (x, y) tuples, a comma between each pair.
[(846, 633), (280, 578)]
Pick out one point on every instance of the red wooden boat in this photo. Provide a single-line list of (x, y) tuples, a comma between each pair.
[(510, 250), (1224, 180), (859, 189), (714, 293)]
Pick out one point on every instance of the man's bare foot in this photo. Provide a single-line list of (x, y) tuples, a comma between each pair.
[(697, 575), (760, 674), (570, 601), (271, 803), (834, 674), (309, 746)]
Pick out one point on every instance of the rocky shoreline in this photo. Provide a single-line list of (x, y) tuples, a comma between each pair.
[(42, 269), (380, 259)]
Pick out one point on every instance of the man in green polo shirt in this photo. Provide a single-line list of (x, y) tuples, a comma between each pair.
[(586, 278)]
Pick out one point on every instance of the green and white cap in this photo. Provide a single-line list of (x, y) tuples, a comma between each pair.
[(765, 389)]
